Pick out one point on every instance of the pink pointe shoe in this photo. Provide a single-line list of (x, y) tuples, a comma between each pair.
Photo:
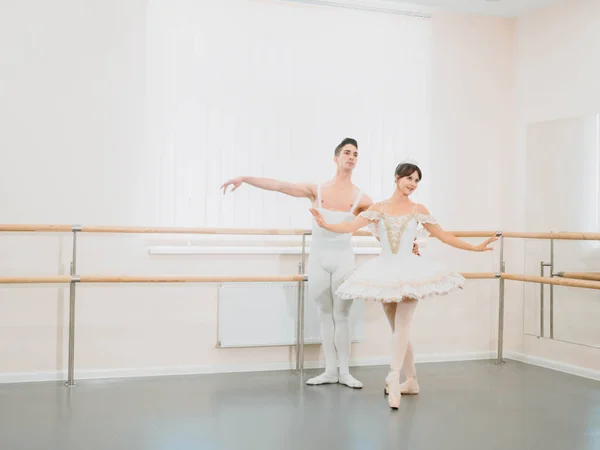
[(392, 382), (409, 387)]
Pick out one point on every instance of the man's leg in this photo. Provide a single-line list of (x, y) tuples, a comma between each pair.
[(341, 318), (319, 292)]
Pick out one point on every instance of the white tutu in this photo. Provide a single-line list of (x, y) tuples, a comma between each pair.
[(391, 278)]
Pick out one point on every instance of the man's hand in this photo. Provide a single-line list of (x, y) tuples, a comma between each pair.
[(235, 182)]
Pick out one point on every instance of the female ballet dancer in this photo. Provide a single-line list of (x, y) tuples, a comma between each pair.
[(398, 278)]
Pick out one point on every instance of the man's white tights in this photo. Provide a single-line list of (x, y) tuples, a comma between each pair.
[(326, 270)]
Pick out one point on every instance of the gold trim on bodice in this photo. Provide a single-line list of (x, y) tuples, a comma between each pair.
[(394, 234)]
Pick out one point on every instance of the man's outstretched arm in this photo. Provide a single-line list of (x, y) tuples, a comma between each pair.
[(307, 190)]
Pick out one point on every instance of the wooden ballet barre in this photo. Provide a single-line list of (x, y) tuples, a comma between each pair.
[(562, 235), (159, 230), (479, 275), (565, 235), (222, 279), (183, 278), (35, 228), (192, 230), (591, 276), (188, 279), (36, 280), (186, 230), (555, 281), (150, 230), (150, 279)]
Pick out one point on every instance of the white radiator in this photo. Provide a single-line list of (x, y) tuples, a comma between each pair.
[(264, 314)]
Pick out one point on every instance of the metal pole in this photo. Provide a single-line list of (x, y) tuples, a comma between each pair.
[(551, 289), (74, 279), (301, 327), (542, 300), (302, 284), (501, 303), (300, 312)]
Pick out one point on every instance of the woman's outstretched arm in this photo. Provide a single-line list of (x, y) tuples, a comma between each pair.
[(448, 238), (345, 227)]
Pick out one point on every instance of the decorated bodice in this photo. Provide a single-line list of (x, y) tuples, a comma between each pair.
[(397, 232)]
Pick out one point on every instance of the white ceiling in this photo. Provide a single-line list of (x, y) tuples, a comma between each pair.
[(506, 8), (490, 7)]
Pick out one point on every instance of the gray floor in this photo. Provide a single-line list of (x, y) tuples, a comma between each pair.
[(462, 406)]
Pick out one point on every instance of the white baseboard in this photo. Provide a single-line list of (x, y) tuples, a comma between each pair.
[(30, 377), (230, 368), (554, 365), (263, 367), (452, 357)]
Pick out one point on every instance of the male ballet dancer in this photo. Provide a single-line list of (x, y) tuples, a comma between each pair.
[(331, 255)]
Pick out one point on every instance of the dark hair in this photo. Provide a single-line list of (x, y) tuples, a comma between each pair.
[(346, 141), (407, 169)]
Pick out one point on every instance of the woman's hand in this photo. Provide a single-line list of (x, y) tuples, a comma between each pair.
[(484, 246), (318, 218), (341, 228)]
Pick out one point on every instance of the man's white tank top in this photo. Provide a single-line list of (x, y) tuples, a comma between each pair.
[(324, 238)]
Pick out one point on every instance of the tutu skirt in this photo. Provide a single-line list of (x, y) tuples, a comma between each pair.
[(391, 278)]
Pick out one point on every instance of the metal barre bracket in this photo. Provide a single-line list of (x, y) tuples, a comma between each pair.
[(76, 228)]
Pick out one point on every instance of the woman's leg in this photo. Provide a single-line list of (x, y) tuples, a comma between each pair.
[(390, 313), (400, 343), (409, 360), (400, 337), (409, 363)]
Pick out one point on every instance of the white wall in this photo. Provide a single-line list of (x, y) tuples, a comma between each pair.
[(224, 98), (73, 151), (558, 54), (72, 110), (72, 90)]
